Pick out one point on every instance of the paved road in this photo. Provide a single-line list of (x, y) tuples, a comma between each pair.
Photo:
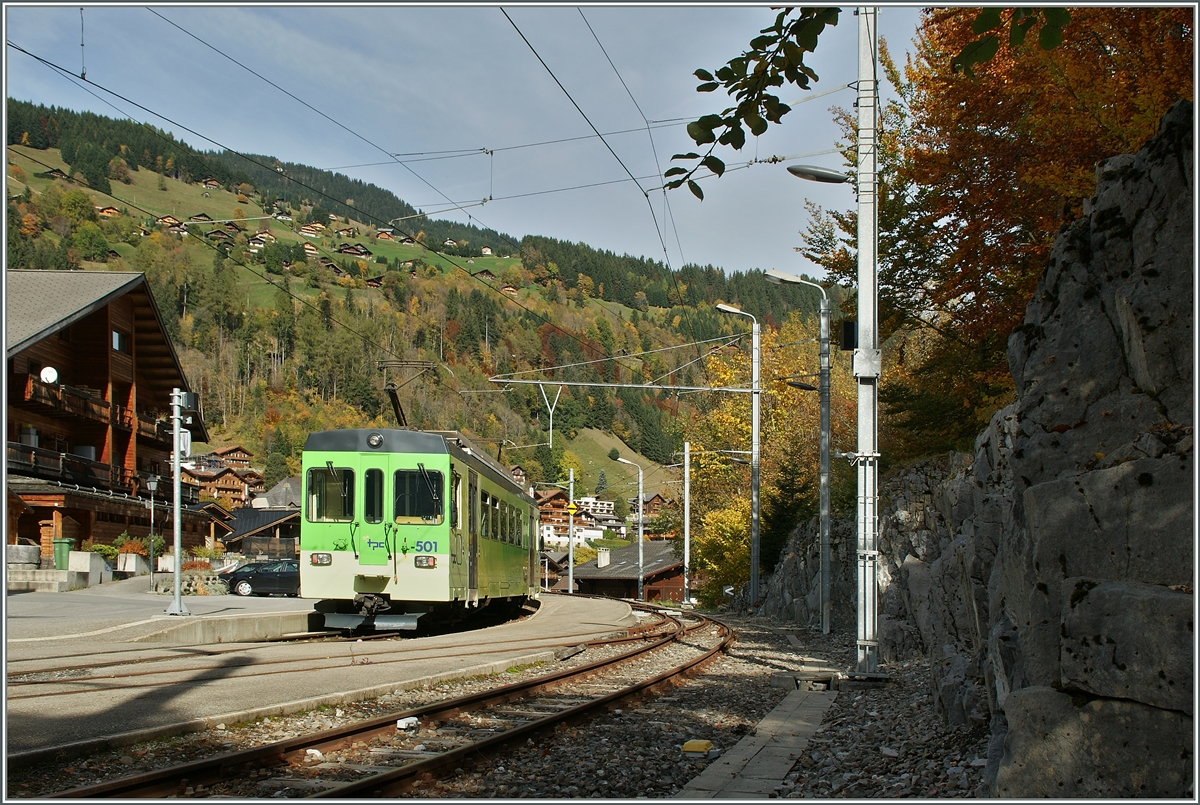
[(245, 684)]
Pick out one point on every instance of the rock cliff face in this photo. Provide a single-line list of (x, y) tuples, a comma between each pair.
[(1049, 576)]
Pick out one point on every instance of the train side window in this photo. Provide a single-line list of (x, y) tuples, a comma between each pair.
[(485, 509), (518, 533), (495, 517), (455, 491), (330, 494), (504, 521), (373, 496), (418, 496)]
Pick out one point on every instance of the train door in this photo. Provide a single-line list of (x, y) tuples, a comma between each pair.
[(372, 540), (472, 535), (530, 537)]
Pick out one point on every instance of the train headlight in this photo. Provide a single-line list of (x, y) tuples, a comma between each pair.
[(426, 561), (375, 439), (321, 558)]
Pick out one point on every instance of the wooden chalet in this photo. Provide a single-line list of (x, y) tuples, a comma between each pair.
[(219, 234), (486, 251), (221, 483), (375, 282), (210, 183), (108, 212), (311, 250), (450, 242), (236, 457), (406, 241), (652, 505), (90, 373), (200, 217), (508, 289), (53, 173), (385, 236), (485, 275), (168, 220), (614, 573)]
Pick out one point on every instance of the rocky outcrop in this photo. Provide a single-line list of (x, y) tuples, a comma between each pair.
[(1048, 576)]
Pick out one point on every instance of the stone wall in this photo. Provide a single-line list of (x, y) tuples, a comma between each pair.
[(1048, 576)]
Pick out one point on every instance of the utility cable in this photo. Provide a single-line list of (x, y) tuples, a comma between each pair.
[(654, 218)]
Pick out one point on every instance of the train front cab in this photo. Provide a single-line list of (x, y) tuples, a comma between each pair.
[(397, 525), (376, 531)]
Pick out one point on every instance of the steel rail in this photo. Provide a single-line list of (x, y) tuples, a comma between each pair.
[(173, 780)]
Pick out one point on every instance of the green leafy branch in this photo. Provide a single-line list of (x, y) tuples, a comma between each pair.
[(989, 24), (777, 55)]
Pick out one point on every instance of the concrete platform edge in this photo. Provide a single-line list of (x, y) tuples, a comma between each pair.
[(82, 748)]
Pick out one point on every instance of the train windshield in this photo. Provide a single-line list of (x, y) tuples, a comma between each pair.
[(330, 494), (418, 496)]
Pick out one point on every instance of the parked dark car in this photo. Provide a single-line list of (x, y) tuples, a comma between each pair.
[(280, 576)]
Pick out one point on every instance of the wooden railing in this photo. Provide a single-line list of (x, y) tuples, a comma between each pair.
[(86, 473), (65, 398)]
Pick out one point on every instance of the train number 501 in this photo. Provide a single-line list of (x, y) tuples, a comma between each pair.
[(427, 546)]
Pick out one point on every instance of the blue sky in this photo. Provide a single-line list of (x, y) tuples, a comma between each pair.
[(417, 80)]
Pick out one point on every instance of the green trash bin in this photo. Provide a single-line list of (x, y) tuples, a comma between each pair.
[(62, 553)]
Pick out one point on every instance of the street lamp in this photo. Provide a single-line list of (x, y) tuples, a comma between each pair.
[(779, 277), (755, 393), (866, 361), (152, 485), (641, 514)]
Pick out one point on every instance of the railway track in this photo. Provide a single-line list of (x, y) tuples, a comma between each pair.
[(154, 669), (390, 755)]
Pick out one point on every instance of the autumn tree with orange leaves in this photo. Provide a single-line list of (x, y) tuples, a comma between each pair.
[(978, 175)]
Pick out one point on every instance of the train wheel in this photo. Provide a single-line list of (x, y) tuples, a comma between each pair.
[(243, 588)]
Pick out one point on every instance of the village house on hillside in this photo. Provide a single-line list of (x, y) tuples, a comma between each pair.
[(90, 373)]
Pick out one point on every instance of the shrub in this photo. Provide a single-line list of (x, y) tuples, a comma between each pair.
[(134, 546), (127, 544), (196, 564), (107, 551), (204, 552)]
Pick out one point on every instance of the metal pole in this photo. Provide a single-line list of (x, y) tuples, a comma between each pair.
[(570, 528), (867, 356), (756, 394), (152, 487), (177, 607), (826, 601), (641, 559), (687, 519)]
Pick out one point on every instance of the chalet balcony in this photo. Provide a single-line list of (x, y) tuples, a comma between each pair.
[(64, 467), (85, 402), (64, 400)]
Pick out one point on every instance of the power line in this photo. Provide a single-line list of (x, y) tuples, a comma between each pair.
[(658, 169), (658, 229)]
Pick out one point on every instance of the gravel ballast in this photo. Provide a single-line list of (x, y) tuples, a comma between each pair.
[(881, 742)]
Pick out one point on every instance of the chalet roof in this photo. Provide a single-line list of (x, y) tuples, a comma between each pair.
[(224, 451), (658, 555), (247, 520), (78, 294), (284, 495)]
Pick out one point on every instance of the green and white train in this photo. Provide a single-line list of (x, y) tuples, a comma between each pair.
[(403, 524)]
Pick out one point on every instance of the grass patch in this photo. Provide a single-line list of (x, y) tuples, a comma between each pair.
[(593, 446)]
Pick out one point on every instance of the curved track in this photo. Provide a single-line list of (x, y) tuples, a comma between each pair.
[(378, 758)]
